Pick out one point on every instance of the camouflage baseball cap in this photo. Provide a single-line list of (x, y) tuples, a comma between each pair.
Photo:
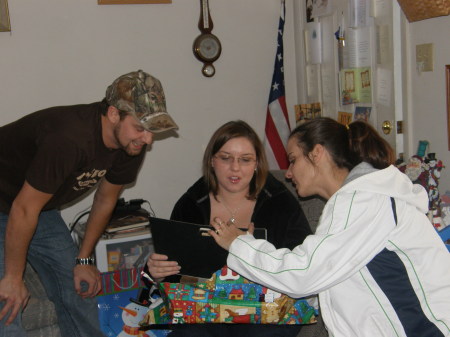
[(141, 95)]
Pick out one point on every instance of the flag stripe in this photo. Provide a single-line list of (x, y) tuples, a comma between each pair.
[(277, 128), (276, 143), (280, 119)]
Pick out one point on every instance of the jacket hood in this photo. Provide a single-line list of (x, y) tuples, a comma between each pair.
[(389, 181)]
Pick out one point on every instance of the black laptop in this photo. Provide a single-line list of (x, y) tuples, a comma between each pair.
[(191, 246)]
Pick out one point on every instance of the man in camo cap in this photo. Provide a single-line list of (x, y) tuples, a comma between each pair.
[(59, 154), (141, 95)]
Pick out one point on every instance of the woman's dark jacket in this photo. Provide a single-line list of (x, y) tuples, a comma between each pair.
[(276, 209)]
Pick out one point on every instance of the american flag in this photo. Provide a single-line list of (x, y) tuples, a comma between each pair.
[(277, 121)]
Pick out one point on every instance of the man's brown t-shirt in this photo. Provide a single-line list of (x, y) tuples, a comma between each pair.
[(60, 151)]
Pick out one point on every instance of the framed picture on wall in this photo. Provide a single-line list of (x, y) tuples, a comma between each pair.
[(130, 2), (5, 25)]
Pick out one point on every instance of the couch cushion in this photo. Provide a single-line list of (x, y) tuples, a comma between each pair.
[(48, 331), (40, 311)]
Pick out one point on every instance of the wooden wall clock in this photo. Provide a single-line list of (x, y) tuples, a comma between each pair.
[(207, 47)]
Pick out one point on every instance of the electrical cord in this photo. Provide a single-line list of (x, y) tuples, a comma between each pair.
[(121, 206), (78, 217), (151, 211), (73, 224)]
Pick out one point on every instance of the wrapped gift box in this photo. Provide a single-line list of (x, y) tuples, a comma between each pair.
[(228, 297)]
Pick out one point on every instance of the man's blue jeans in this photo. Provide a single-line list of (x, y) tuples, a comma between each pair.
[(52, 254)]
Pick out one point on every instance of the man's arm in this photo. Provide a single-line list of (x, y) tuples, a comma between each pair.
[(20, 228), (105, 200)]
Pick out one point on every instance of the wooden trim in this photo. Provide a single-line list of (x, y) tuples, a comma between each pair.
[(447, 80), (130, 2)]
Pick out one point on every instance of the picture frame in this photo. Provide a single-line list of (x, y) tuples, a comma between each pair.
[(447, 81), (5, 24), (131, 2)]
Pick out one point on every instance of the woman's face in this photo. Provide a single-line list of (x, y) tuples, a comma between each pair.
[(301, 170), (234, 165)]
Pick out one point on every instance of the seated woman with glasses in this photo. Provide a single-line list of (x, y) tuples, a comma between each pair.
[(237, 186)]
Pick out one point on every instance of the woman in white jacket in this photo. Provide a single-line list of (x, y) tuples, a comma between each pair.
[(377, 263)]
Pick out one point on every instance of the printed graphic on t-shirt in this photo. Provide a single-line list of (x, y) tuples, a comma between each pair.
[(88, 180)]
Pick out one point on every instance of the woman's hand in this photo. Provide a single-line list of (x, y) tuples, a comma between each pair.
[(160, 268), (226, 233)]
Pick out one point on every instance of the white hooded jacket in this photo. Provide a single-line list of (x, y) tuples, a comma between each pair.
[(377, 263)]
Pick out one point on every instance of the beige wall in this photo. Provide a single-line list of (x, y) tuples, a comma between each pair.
[(427, 110), (64, 52)]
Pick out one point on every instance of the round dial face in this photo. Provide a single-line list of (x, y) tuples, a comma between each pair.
[(208, 70), (207, 47)]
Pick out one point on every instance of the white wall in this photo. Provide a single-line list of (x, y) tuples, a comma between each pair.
[(63, 52), (427, 113)]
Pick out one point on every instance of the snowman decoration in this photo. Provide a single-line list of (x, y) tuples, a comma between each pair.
[(132, 314)]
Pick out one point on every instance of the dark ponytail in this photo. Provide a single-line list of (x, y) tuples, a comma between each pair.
[(367, 145), (347, 145)]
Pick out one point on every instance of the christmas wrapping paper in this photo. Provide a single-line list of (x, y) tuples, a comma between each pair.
[(228, 297)]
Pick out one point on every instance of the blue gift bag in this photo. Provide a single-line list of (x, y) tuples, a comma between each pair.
[(120, 311)]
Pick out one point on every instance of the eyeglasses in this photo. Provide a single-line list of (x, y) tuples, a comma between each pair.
[(225, 159)]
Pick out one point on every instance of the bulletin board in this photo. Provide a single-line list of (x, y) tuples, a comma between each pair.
[(349, 62)]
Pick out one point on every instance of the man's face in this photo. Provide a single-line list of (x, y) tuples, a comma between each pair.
[(131, 136)]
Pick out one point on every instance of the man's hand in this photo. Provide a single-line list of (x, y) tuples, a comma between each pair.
[(22, 221), (89, 275), (15, 296)]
